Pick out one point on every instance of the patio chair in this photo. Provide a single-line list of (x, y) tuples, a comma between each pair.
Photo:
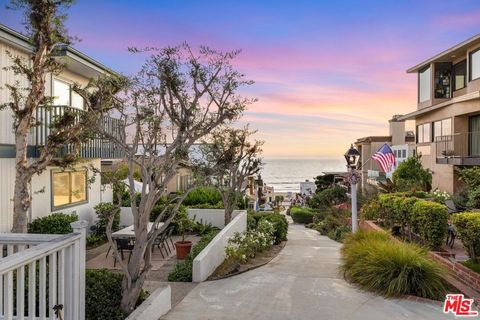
[(123, 245), (160, 243)]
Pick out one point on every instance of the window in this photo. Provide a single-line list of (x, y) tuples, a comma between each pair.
[(61, 93), (68, 188), (65, 96), (442, 129), (475, 64), (404, 153), (460, 75), (183, 182), (442, 80), (424, 79), (424, 133)]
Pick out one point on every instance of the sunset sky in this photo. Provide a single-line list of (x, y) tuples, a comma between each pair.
[(325, 72)]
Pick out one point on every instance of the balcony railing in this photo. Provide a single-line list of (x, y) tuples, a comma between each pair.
[(459, 148), (40, 273), (94, 148)]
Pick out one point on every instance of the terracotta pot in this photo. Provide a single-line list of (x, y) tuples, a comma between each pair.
[(183, 249)]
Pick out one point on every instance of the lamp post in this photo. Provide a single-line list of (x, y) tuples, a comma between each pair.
[(352, 156)]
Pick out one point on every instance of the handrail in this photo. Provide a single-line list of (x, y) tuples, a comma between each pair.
[(29, 255), (25, 239)]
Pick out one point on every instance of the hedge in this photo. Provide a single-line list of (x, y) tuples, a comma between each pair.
[(430, 221), (468, 229), (203, 196), (103, 294), (426, 218), (302, 215), (56, 223)]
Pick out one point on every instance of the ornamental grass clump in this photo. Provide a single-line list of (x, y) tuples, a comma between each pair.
[(392, 268)]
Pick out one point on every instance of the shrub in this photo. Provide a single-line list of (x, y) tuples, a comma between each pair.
[(56, 223), (280, 226), (339, 233), (327, 225), (410, 175), (183, 270), (377, 263), (124, 196), (370, 210), (103, 294), (94, 240), (279, 222), (441, 196), (328, 197), (468, 228), (201, 196), (430, 220), (302, 215), (243, 246), (104, 210)]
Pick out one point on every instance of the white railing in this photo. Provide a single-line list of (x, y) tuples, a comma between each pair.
[(41, 273)]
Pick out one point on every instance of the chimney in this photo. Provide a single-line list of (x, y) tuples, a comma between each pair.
[(397, 130)]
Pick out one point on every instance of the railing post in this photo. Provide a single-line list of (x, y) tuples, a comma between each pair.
[(81, 228)]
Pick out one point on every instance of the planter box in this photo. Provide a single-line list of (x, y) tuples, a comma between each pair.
[(214, 253), (157, 304)]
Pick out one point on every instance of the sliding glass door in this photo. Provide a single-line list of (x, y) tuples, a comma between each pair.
[(474, 136)]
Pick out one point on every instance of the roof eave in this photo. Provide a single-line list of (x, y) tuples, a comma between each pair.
[(443, 54)]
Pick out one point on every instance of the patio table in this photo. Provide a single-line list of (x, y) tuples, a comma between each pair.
[(129, 233)]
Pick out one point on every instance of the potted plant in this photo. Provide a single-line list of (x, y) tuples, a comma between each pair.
[(183, 247)]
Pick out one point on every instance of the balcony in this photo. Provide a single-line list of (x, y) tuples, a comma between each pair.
[(95, 148), (461, 149)]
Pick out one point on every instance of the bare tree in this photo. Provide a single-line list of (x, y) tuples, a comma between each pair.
[(177, 98), (44, 21), (233, 158)]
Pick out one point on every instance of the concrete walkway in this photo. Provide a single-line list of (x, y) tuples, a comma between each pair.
[(302, 282)]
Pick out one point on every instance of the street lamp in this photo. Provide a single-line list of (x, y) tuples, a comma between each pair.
[(352, 156)]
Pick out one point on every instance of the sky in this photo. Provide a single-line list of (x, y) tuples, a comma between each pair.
[(325, 72)]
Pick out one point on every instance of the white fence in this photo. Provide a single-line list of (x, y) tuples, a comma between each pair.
[(41, 272), (214, 253)]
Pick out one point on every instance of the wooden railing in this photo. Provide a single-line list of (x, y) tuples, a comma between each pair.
[(94, 148), (41, 273)]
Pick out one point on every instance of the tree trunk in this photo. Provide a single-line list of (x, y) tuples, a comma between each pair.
[(22, 199), (130, 293), (228, 212)]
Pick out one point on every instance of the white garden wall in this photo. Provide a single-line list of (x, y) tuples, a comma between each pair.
[(215, 217), (214, 253), (158, 303)]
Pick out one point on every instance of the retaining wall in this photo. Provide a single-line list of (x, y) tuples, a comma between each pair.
[(214, 253)]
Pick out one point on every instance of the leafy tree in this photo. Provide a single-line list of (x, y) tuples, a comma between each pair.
[(44, 24), (232, 158), (324, 181), (178, 97), (328, 197), (410, 175)]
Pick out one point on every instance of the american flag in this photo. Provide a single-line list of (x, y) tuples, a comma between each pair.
[(385, 158)]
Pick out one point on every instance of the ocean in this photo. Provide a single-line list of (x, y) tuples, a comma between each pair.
[(285, 175)]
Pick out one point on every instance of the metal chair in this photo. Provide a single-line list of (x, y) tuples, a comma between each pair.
[(123, 244)]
